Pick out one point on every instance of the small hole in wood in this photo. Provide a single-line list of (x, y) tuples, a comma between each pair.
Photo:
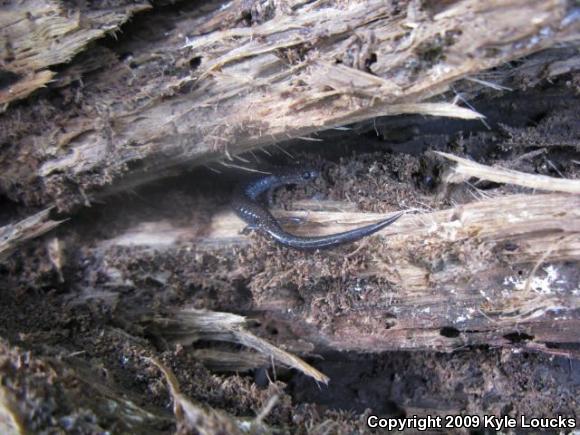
[(370, 60), (518, 337), (449, 332), (8, 78), (194, 63)]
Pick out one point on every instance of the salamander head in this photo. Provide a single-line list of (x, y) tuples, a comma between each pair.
[(309, 174), (298, 174)]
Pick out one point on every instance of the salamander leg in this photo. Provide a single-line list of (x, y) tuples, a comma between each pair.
[(292, 220), (248, 229)]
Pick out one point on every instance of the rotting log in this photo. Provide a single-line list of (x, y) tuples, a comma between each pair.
[(185, 327), (28, 380), (493, 272), (38, 34), (208, 84), (213, 86)]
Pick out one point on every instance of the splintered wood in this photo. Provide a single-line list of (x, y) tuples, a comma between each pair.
[(37, 34), (12, 236), (466, 169), (144, 285), (225, 88), (187, 326), (480, 267)]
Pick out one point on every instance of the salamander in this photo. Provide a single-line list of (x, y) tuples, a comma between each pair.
[(246, 203)]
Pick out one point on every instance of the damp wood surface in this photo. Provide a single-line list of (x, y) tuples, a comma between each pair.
[(144, 284)]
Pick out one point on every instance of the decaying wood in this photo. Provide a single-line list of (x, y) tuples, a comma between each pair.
[(37, 34), (498, 219), (473, 269), (303, 68), (194, 417), (14, 235), (188, 326), (237, 361), (207, 83), (27, 380), (465, 169)]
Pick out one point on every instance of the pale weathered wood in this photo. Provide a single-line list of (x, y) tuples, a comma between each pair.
[(37, 34), (466, 169), (187, 326), (305, 68), (12, 236), (476, 288)]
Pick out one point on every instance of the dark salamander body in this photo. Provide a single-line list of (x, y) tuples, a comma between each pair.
[(247, 206)]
